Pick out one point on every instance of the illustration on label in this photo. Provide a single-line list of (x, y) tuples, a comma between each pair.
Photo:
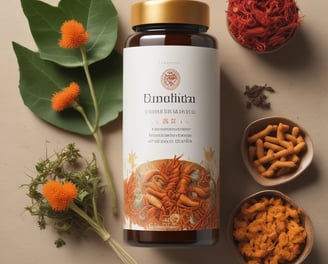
[(172, 194), (170, 79)]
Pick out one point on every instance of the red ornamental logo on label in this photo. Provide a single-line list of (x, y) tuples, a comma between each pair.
[(170, 79)]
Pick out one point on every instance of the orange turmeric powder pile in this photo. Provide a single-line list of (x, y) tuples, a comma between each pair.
[(269, 230)]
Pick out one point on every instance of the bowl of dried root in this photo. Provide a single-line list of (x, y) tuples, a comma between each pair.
[(275, 150)]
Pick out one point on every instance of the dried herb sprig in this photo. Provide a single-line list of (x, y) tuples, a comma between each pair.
[(80, 212)]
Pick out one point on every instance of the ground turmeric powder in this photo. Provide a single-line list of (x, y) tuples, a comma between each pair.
[(269, 230)]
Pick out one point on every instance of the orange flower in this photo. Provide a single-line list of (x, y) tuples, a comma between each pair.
[(59, 195), (73, 35), (64, 98)]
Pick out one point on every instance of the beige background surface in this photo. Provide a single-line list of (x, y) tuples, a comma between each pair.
[(298, 73)]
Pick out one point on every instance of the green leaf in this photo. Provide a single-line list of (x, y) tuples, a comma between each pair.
[(99, 17), (40, 79)]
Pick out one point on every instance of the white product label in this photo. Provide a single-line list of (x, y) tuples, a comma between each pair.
[(171, 138)]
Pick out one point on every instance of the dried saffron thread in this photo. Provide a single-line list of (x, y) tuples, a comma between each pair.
[(262, 25)]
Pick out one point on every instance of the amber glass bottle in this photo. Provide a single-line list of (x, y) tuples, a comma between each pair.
[(171, 126)]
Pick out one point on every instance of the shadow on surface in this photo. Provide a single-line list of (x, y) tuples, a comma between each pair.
[(298, 54)]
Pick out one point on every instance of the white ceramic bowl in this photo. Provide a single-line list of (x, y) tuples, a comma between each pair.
[(305, 221), (305, 156)]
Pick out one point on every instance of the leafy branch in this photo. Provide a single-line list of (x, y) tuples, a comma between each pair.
[(44, 73)]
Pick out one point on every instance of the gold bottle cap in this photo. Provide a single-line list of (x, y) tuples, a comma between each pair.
[(170, 11)]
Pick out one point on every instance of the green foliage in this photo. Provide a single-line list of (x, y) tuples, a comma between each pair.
[(60, 242), (66, 165), (52, 68), (39, 79), (99, 17)]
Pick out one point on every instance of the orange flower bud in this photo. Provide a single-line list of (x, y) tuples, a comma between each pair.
[(73, 35), (59, 195), (64, 98)]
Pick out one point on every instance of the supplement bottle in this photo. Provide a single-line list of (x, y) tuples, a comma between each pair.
[(171, 126)]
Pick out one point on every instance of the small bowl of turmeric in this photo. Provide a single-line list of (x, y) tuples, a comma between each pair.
[(275, 150), (268, 227)]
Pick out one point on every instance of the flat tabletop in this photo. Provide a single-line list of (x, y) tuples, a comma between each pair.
[(298, 74)]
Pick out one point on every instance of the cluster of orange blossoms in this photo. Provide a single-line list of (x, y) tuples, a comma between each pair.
[(73, 35), (59, 195)]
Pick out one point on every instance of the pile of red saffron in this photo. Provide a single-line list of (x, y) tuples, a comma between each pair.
[(262, 25)]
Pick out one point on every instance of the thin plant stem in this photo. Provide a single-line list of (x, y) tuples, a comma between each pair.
[(94, 204), (91, 88), (122, 254), (112, 193), (97, 136), (96, 227), (80, 109), (105, 236), (96, 133)]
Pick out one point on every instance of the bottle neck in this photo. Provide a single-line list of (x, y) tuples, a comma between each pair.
[(183, 28)]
